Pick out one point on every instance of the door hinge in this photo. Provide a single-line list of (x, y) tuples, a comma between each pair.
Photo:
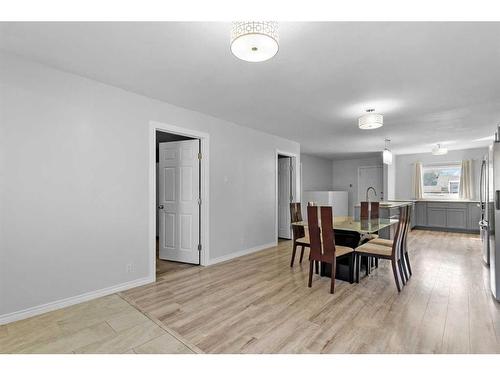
[(199, 247), (199, 201), (199, 155)]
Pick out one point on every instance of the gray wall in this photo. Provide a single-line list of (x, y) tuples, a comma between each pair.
[(404, 168), (74, 184), (317, 173), (345, 176)]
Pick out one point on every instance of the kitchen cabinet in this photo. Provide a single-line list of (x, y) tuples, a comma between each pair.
[(436, 217), (456, 218), (413, 217), (421, 214), (442, 215), (474, 216)]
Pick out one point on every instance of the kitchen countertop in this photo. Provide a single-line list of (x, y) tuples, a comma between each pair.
[(447, 200), (392, 204), (398, 203)]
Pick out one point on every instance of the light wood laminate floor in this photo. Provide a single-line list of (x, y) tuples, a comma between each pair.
[(258, 304), (104, 325)]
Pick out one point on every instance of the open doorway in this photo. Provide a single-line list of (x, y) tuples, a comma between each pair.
[(178, 185), (286, 193)]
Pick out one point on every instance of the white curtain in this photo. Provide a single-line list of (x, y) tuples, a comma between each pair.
[(466, 180), (418, 185)]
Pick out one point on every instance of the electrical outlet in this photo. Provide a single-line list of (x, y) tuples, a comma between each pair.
[(130, 268)]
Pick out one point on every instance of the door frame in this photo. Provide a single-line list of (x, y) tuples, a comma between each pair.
[(204, 185), (298, 176)]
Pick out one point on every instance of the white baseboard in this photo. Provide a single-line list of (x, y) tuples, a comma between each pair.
[(241, 253), (55, 305)]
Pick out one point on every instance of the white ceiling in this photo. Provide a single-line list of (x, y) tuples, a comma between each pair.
[(433, 82)]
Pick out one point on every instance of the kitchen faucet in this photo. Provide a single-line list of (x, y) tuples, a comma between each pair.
[(368, 190)]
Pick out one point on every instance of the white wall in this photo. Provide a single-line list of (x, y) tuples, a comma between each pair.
[(345, 176), (316, 173), (74, 184), (390, 180), (404, 168)]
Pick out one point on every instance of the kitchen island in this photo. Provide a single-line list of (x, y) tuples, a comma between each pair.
[(387, 210)]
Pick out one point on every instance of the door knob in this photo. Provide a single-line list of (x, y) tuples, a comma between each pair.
[(160, 207)]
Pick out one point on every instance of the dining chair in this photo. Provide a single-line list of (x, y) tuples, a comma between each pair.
[(316, 263), (369, 211), (374, 210), (298, 232), (322, 243), (392, 253), (405, 259), (374, 214), (364, 211)]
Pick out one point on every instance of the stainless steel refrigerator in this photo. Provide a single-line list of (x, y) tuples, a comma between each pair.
[(492, 215), (484, 188)]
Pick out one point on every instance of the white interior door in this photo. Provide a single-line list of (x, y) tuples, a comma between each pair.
[(284, 197), (179, 193), (370, 176)]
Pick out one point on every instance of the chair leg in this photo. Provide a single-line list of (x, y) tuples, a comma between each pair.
[(311, 271), (316, 263), (408, 262), (301, 253), (358, 266), (334, 269), (404, 267), (351, 268), (368, 260), (400, 266), (293, 253), (395, 271), (376, 262)]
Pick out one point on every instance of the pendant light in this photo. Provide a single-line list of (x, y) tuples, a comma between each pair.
[(438, 150), (387, 154), (371, 120), (254, 41)]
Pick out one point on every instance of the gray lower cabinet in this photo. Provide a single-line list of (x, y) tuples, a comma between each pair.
[(421, 214), (461, 216), (474, 216), (456, 218), (413, 217), (436, 217)]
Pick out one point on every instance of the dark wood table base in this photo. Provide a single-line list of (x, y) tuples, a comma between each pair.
[(345, 267)]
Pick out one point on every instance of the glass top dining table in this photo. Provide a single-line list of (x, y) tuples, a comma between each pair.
[(347, 223)]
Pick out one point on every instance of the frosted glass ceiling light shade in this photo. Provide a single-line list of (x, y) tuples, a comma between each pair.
[(438, 150), (387, 157), (371, 120), (254, 41), (387, 154)]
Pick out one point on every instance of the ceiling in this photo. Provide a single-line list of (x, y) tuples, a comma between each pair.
[(433, 82)]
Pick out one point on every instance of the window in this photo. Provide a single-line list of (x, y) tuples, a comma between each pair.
[(441, 181)]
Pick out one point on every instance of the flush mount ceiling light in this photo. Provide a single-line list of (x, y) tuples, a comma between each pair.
[(387, 154), (371, 120), (438, 150), (254, 41)]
